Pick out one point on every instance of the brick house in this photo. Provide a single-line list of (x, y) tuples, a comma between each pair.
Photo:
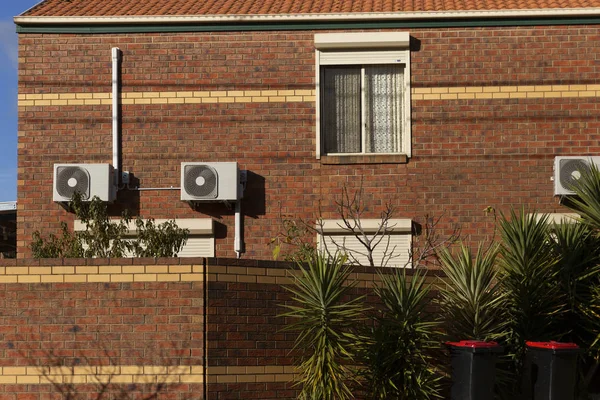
[(463, 106), (442, 109)]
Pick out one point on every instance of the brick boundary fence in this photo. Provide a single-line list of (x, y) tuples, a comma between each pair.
[(207, 327)]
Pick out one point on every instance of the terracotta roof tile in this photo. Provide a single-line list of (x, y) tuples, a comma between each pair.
[(97, 8)]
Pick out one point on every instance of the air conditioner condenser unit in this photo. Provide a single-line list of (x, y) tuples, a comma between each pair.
[(568, 169), (210, 181), (87, 179)]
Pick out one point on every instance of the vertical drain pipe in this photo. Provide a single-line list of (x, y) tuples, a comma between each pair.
[(237, 245), (115, 114), (238, 242)]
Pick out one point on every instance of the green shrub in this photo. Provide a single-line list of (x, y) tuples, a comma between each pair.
[(105, 237), (471, 304), (325, 317), (397, 355)]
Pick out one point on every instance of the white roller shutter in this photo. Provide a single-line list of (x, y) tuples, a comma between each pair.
[(200, 243), (398, 242), (198, 247)]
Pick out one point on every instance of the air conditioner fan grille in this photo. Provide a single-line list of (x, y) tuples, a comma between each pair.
[(71, 180), (200, 181), (571, 170)]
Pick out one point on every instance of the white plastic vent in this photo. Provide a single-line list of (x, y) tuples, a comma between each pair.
[(210, 181), (87, 179), (567, 169)]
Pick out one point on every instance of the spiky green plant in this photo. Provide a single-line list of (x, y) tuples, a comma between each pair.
[(587, 201), (325, 317), (581, 253), (398, 355), (470, 301), (528, 279), (582, 272), (578, 270)]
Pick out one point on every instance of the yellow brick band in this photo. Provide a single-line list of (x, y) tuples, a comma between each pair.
[(108, 273), (187, 97), (505, 92), (119, 374), (293, 96), (250, 374)]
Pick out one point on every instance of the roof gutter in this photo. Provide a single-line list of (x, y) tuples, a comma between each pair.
[(307, 18)]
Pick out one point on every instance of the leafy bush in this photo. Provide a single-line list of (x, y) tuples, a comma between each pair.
[(104, 237)]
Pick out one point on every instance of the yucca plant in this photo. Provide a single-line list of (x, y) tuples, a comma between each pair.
[(326, 318), (398, 355), (581, 269), (587, 200), (471, 303), (528, 279), (578, 270)]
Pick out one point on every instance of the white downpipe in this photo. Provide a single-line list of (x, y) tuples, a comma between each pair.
[(238, 228), (115, 113)]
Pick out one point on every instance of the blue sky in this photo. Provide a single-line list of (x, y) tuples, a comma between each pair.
[(8, 96)]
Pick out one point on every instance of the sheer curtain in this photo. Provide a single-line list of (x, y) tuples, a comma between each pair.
[(340, 110), (383, 108)]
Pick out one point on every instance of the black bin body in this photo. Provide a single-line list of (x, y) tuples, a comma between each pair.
[(550, 371), (473, 369)]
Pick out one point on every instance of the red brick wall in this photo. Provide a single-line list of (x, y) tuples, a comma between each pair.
[(245, 334), (467, 154), (132, 325), (215, 323)]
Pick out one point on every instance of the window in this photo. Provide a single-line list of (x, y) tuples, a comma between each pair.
[(364, 94), (394, 249)]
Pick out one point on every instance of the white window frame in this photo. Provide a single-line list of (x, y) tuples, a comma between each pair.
[(201, 238), (366, 48), (399, 231)]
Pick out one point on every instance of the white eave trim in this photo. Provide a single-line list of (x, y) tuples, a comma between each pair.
[(391, 16)]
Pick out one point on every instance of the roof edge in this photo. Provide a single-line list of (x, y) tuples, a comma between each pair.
[(395, 16), (8, 206), (31, 8)]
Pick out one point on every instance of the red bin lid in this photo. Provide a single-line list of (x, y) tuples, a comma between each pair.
[(552, 345), (474, 344)]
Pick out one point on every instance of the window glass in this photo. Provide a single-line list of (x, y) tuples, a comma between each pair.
[(361, 108)]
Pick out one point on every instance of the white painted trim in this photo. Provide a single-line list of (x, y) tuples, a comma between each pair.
[(388, 16), (397, 225), (318, 102), (407, 110), (362, 40)]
